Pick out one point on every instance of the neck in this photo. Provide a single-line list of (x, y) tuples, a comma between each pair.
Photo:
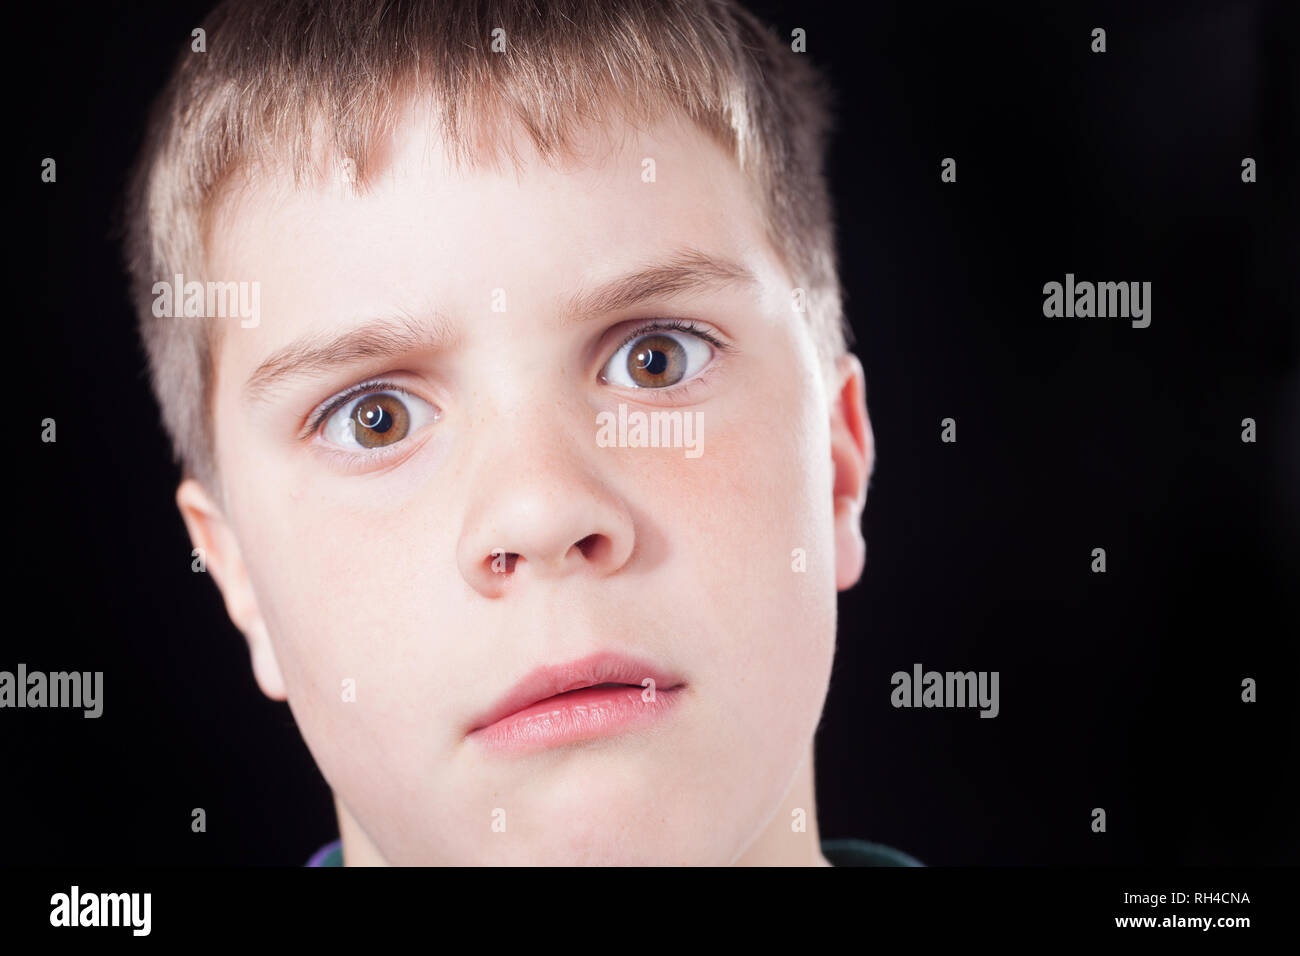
[(790, 838)]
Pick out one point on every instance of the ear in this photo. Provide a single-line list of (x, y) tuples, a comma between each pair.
[(212, 534), (853, 456)]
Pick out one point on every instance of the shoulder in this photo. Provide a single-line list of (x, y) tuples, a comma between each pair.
[(845, 852)]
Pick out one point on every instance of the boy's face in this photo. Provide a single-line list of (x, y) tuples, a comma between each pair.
[(483, 529)]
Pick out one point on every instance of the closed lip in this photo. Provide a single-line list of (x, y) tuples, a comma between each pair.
[(548, 681)]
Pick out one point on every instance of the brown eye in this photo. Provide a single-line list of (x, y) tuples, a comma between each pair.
[(380, 420), (656, 361), (660, 357), (377, 420)]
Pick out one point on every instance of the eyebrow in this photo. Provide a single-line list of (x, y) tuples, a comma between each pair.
[(688, 270), (320, 352)]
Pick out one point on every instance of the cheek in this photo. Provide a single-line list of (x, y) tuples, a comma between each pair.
[(336, 575), (751, 558), (361, 616)]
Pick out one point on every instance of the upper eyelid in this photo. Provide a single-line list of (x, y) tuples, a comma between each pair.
[(687, 326)]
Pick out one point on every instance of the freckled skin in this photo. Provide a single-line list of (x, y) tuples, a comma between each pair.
[(337, 573)]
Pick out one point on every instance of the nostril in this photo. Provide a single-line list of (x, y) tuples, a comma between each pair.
[(501, 561), (594, 547)]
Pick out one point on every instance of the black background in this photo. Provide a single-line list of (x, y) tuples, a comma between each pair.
[(1119, 690)]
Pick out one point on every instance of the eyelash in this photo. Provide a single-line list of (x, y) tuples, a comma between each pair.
[(675, 325), (654, 325)]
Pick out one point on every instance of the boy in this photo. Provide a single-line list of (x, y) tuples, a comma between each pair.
[(532, 458)]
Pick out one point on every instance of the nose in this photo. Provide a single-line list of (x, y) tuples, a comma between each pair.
[(550, 517)]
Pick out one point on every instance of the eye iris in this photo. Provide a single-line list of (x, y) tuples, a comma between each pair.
[(380, 420), (656, 361)]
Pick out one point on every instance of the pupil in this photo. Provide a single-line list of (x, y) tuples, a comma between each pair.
[(375, 419), (652, 361)]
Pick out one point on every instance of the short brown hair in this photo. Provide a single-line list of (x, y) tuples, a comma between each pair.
[(275, 71)]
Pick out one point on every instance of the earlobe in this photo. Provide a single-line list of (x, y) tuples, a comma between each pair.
[(212, 535), (266, 668), (852, 460)]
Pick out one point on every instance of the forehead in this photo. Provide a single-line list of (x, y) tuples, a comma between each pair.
[(422, 221)]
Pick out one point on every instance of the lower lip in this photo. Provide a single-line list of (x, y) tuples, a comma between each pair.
[(576, 716)]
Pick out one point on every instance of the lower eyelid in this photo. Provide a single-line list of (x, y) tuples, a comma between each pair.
[(372, 461), (682, 394)]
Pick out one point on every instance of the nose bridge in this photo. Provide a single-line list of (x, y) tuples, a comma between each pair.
[(530, 401), (531, 409)]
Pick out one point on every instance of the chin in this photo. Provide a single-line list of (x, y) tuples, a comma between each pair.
[(630, 833)]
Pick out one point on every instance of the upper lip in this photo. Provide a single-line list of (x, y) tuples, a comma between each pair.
[(600, 668)]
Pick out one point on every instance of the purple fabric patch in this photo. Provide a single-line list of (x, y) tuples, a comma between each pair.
[(318, 858)]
